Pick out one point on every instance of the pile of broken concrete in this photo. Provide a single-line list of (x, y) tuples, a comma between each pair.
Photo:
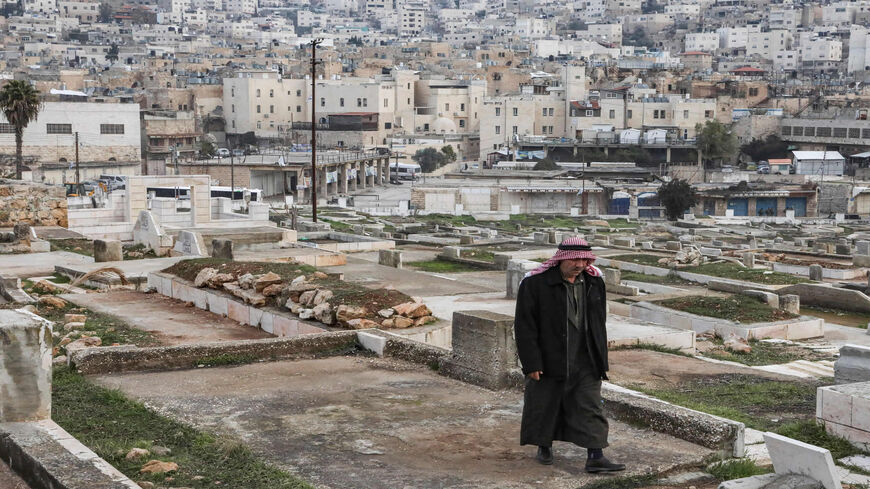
[(311, 300), (689, 256)]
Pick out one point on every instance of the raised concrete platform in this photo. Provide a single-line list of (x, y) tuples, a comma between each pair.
[(245, 238), (40, 264), (624, 332), (136, 271), (301, 254), (46, 456), (397, 437), (845, 411)]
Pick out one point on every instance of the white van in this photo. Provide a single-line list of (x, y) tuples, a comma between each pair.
[(223, 153)]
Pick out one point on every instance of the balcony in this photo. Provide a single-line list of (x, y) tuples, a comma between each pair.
[(361, 126)]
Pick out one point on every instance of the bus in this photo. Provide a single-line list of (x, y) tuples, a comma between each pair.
[(405, 171)]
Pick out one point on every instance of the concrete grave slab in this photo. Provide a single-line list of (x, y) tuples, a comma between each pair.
[(796, 457), (189, 243)]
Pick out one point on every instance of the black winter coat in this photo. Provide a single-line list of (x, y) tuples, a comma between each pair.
[(541, 322)]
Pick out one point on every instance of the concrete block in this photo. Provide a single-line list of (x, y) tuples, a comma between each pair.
[(710, 251), (238, 311), (25, 367), (853, 365), (484, 351), (795, 457), (284, 326), (372, 342), (674, 245), (255, 315), (390, 258), (39, 246), (622, 241), (217, 304), (612, 276), (646, 245), (541, 238), (516, 270), (451, 252), (843, 249), (107, 250), (466, 240), (768, 298), (790, 303), (816, 272), (861, 260), (749, 259), (190, 244), (836, 406), (862, 248), (222, 248), (267, 322)]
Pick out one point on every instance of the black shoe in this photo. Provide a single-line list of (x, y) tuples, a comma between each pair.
[(545, 455), (595, 465)]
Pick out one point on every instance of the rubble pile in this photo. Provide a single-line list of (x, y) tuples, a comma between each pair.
[(689, 256), (308, 299)]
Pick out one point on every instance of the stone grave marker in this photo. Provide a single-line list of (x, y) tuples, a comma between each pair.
[(107, 250), (189, 243), (796, 457)]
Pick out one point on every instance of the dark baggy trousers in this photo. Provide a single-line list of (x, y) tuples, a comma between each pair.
[(564, 411)]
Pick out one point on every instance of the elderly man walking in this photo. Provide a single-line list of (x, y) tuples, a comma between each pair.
[(562, 344)]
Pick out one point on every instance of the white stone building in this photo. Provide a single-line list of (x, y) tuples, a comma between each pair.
[(702, 41)]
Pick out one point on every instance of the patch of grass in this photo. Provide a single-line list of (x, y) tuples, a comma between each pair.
[(733, 271), (639, 259), (766, 353), (188, 269), (809, 431), (442, 266), (339, 226), (60, 279), (757, 402), (735, 468), (652, 347), (735, 308), (622, 482), (447, 220), (110, 329), (478, 254), (654, 279), (225, 359), (111, 424), (839, 316), (75, 245), (622, 224)]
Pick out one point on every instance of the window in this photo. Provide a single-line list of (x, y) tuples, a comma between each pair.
[(111, 128), (446, 107), (258, 109), (514, 130), (551, 112), (854, 132), (359, 102), (271, 109), (233, 108), (298, 108), (823, 132), (298, 93), (497, 111), (6, 128), (809, 131), (271, 93), (544, 112), (753, 91), (786, 130), (840, 132), (322, 102), (365, 102), (685, 114), (461, 122), (516, 111), (590, 113), (258, 92), (386, 102), (409, 101), (498, 129), (234, 123), (612, 114), (259, 125), (797, 131), (232, 91), (628, 114), (58, 128), (462, 107), (388, 125), (341, 102), (865, 133), (708, 114)]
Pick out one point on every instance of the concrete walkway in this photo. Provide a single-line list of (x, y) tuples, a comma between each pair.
[(410, 282), (353, 422), (171, 321), (40, 264)]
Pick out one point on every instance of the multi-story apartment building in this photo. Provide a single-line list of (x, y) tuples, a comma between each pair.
[(786, 60), (85, 11), (602, 32), (766, 45), (240, 7), (263, 102), (702, 41), (44, 7), (616, 8), (783, 18), (106, 132), (590, 10), (733, 37), (859, 49), (412, 18), (818, 51)]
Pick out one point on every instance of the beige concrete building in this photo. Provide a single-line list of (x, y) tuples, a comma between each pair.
[(106, 132)]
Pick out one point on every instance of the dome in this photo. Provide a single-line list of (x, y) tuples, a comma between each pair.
[(443, 125)]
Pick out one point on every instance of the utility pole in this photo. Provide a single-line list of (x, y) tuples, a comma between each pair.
[(78, 182), (232, 175), (314, 62)]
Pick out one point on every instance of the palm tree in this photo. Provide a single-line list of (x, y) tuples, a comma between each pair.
[(20, 103)]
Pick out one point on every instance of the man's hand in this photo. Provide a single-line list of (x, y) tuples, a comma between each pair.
[(536, 375)]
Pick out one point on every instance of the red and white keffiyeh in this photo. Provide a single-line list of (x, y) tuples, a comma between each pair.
[(573, 248)]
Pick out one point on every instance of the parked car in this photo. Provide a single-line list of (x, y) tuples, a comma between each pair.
[(113, 182), (223, 153), (238, 152), (765, 170), (727, 169)]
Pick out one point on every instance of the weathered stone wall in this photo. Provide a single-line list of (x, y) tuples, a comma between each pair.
[(32, 203)]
